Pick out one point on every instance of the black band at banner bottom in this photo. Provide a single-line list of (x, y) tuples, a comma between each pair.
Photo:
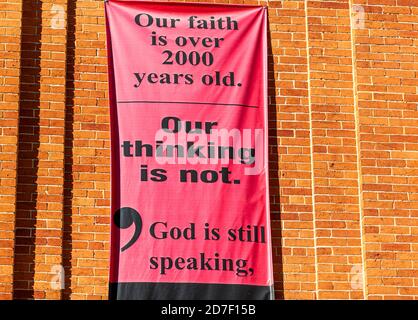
[(187, 291)]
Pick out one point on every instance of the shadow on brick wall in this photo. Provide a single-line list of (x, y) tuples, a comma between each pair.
[(28, 151), (274, 186), (68, 150)]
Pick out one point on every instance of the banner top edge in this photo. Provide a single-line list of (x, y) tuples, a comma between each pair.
[(203, 4)]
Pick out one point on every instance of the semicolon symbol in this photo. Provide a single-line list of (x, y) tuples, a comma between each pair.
[(124, 218)]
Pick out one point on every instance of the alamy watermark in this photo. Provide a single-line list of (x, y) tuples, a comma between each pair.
[(58, 17)]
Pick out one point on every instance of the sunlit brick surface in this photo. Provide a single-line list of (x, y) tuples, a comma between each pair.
[(343, 135)]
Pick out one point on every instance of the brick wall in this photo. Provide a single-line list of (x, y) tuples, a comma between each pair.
[(343, 127)]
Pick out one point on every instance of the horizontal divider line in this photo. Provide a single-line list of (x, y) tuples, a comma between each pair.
[(190, 102)]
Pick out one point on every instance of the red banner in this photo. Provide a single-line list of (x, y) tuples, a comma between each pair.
[(190, 204)]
